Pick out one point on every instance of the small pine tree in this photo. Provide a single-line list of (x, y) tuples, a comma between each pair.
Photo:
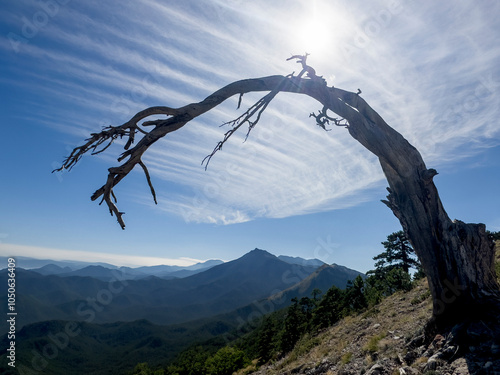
[(398, 253)]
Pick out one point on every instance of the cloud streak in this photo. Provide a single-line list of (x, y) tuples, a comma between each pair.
[(430, 71)]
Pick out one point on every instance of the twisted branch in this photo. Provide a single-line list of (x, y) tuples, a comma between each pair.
[(322, 119), (312, 85), (258, 108)]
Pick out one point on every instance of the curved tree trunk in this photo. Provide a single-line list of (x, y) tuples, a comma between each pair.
[(458, 258)]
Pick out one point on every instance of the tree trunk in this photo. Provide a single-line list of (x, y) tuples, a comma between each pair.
[(458, 258)]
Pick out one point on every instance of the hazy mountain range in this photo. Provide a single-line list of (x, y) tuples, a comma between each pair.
[(103, 271), (109, 304)]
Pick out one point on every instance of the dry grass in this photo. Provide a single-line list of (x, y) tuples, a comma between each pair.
[(380, 331)]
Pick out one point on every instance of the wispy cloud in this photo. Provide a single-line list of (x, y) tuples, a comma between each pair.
[(430, 70)]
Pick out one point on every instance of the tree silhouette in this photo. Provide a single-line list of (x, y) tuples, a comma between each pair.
[(458, 258)]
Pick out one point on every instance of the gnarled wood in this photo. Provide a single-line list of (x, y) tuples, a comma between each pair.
[(458, 258)]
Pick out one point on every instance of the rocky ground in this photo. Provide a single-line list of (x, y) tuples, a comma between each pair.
[(388, 339)]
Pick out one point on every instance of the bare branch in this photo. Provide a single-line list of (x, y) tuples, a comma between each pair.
[(313, 86), (322, 119), (258, 108), (149, 181)]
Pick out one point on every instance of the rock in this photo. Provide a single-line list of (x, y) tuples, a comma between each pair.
[(438, 341), (433, 363), (410, 357), (416, 342), (376, 369), (401, 359), (447, 353), (375, 326), (298, 369), (459, 367), (406, 370), (321, 369)]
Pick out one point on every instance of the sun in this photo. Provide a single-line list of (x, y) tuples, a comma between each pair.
[(320, 30), (314, 36)]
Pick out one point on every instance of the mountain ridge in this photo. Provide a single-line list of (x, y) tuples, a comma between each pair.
[(155, 342), (217, 290)]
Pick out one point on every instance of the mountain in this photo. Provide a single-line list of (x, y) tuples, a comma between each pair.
[(115, 348), (191, 270), (103, 271), (52, 269), (155, 270), (203, 265), (31, 263), (98, 272), (107, 318), (220, 289), (301, 261)]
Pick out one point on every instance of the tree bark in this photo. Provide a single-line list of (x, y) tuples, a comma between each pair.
[(457, 258)]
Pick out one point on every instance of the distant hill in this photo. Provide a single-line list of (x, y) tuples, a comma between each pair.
[(103, 271), (97, 272), (218, 290), (301, 261), (30, 263), (323, 279), (53, 269)]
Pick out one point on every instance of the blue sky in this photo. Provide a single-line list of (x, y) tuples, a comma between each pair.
[(431, 69)]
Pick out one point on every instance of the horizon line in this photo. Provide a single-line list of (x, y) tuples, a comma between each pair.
[(118, 260)]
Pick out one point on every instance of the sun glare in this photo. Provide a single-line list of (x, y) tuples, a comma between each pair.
[(318, 30), (314, 36)]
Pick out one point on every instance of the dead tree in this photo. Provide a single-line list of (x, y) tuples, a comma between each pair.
[(458, 258)]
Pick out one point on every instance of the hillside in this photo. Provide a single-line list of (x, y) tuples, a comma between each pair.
[(323, 278), (388, 339), (384, 340)]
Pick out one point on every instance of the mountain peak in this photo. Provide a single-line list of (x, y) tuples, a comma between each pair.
[(259, 252)]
